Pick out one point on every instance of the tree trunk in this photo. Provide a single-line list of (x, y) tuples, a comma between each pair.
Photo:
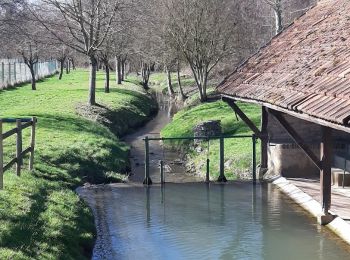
[(204, 87), (61, 69), (92, 87), (107, 78), (183, 96), (170, 85), (119, 70), (123, 70), (32, 73), (67, 67), (279, 23), (73, 64), (145, 71)]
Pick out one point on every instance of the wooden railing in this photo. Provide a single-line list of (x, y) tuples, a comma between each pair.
[(21, 124)]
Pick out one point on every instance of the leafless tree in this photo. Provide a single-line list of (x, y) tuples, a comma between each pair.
[(87, 22), (203, 31), (276, 5), (20, 35)]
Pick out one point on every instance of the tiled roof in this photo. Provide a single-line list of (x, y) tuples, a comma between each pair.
[(305, 69)]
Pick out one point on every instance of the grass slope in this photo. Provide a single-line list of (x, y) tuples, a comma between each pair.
[(41, 216), (237, 151)]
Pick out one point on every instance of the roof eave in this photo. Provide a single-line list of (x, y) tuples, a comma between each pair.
[(302, 116)]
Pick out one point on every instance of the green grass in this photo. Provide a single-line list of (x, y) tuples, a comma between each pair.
[(237, 151), (41, 217)]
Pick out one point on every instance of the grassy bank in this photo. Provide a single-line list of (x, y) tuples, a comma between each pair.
[(237, 151), (41, 216)]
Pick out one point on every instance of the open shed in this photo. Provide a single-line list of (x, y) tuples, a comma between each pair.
[(301, 79)]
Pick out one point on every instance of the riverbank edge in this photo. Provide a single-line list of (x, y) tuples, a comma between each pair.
[(87, 243), (338, 225)]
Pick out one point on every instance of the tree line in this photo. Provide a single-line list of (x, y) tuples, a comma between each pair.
[(137, 35)]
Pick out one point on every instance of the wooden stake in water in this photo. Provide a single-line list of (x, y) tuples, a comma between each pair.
[(162, 181), (207, 179), (222, 177), (147, 180)]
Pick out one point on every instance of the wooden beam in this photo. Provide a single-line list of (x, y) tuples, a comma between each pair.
[(243, 116), (264, 140), (326, 171), (296, 137), (296, 114)]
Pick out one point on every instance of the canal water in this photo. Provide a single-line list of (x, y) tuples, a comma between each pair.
[(173, 164), (197, 221), (193, 220)]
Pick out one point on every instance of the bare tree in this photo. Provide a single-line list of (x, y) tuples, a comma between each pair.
[(277, 8), (87, 22), (203, 31), (20, 35)]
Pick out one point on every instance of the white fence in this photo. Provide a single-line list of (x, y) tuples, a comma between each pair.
[(14, 72)]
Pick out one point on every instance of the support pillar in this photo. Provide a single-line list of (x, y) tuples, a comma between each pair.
[(326, 171), (326, 176), (264, 138)]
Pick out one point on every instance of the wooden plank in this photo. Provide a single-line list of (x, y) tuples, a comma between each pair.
[(296, 137), (19, 147), (1, 158), (264, 140), (296, 114), (25, 125), (243, 116), (10, 164), (9, 133), (28, 150), (14, 120), (32, 144), (326, 171)]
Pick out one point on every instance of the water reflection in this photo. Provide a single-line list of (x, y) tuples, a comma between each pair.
[(205, 221)]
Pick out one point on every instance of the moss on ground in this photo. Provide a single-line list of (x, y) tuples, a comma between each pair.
[(41, 217)]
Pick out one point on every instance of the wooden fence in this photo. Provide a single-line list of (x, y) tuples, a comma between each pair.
[(21, 124)]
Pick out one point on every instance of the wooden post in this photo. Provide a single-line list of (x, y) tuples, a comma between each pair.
[(32, 144), (326, 170), (19, 147), (264, 139), (1, 158), (207, 178), (254, 158), (222, 177), (162, 172), (147, 179)]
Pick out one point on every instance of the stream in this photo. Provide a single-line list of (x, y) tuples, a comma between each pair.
[(173, 164), (187, 219)]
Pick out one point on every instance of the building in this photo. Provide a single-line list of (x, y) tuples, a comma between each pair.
[(301, 79)]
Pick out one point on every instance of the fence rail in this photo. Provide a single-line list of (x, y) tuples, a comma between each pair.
[(222, 178), (14, 72), (21, 124)]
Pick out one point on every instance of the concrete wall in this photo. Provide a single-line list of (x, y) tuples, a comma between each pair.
[(286, 159)]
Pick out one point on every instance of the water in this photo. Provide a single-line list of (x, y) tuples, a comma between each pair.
[(174, 167), (196, 221)]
